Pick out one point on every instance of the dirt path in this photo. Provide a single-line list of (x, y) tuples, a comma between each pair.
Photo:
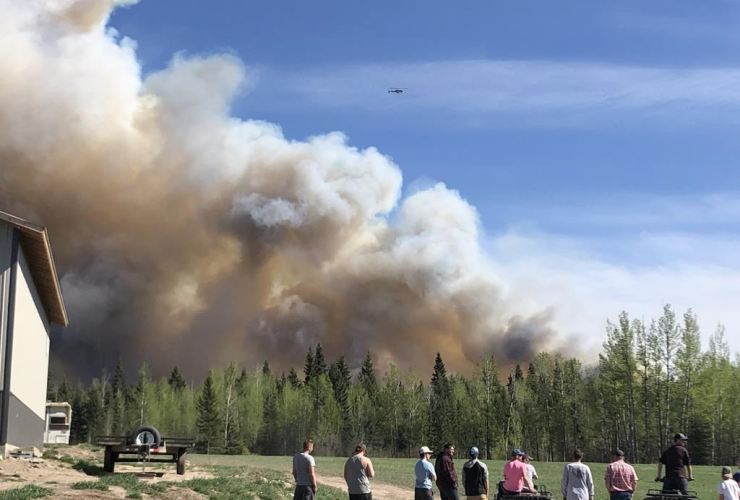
[(381, 491)]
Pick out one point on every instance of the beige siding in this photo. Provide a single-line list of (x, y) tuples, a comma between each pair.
[(30, 359), (6, 240)]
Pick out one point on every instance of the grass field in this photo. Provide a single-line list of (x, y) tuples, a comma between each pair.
[(399, 472)]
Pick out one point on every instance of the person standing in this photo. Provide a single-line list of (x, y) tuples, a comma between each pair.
[(728, 488), (515, 475), (577, 482), (444, 467), (677, 464), (424, 472), (621, 478), (475, 477), (304, 473), (357, 473)]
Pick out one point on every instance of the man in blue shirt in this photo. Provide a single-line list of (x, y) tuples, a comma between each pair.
[(424, 471)]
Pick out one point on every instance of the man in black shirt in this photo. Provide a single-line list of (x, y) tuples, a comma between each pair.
[(677, 464)]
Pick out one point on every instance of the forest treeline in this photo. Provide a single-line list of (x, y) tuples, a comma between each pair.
[(652, 379)]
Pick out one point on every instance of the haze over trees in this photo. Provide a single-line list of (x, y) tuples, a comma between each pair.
[(652, 380)]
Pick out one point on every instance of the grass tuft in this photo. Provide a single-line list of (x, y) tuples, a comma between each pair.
[(26, 493), (237, 484), (129, 482)]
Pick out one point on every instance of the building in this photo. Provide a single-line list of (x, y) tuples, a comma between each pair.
[(30, 301), (58, 422)]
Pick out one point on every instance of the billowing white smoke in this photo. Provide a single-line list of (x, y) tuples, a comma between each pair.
[(187, 236)]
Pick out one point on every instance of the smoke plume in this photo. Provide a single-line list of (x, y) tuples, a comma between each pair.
[(186, 236)]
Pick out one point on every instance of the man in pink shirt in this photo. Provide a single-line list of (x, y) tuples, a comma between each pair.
[(620, 478), (515, 475)]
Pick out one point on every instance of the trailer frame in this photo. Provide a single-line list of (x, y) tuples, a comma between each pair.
[(122, 449)]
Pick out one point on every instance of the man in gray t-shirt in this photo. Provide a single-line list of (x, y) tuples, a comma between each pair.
[(357, 472), (304, 473)]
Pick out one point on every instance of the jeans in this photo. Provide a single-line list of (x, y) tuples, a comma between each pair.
[(676, 483), (423, 494), (449, 494), (360, 496), (620, 495)]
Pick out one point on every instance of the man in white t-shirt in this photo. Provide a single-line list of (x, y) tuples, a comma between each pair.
[(304, 473), (728, 489), (531, 472)]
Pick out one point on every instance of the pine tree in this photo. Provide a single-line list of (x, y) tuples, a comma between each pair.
[(93, 410), (340, 380), (367, 377), (309, 366), (79, 429), (64, 391), (293, 379), (119, 379), (266, 368), (51, 390), (208, 421), (319, 364), (176, 381), (518, 375), (441, 404)]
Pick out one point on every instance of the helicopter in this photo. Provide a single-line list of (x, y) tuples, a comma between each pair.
[(397, 90)]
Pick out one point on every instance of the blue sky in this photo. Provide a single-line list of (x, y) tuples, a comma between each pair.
[(598, 140)]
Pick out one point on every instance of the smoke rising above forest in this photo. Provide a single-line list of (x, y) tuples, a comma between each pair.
[(184, 235)]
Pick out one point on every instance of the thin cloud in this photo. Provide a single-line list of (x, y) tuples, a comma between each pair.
[(540, 92), (641, 211), (585, 287)]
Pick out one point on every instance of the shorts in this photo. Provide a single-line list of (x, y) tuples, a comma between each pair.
[(423, 494), (304, 493), (360, 496)]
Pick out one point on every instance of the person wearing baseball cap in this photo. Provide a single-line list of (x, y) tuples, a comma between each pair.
[(677, 463), (728, 488), (515, 475), (424, 472), (475, 477), (357, 473), (620, 478)]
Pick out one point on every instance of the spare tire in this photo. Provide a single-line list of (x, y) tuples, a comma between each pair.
[(146, 435)]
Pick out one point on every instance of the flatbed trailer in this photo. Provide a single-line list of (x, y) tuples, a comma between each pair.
[(132, 449)]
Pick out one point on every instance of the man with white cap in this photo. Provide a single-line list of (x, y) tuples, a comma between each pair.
[(424, 472), (728, 488), (475, 477)]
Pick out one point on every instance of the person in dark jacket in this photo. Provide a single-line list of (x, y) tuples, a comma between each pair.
[(677, 463), (444, 467), (475, 477)]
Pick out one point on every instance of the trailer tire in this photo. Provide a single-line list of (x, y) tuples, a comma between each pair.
[(109, 463), (181, 464), (147, 428)]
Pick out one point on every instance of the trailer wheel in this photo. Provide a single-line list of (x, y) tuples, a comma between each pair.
[(181, 464), (146, 434), (109, 463)]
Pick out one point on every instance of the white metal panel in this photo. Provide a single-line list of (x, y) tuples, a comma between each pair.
[(30, 361), (6, 241)]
